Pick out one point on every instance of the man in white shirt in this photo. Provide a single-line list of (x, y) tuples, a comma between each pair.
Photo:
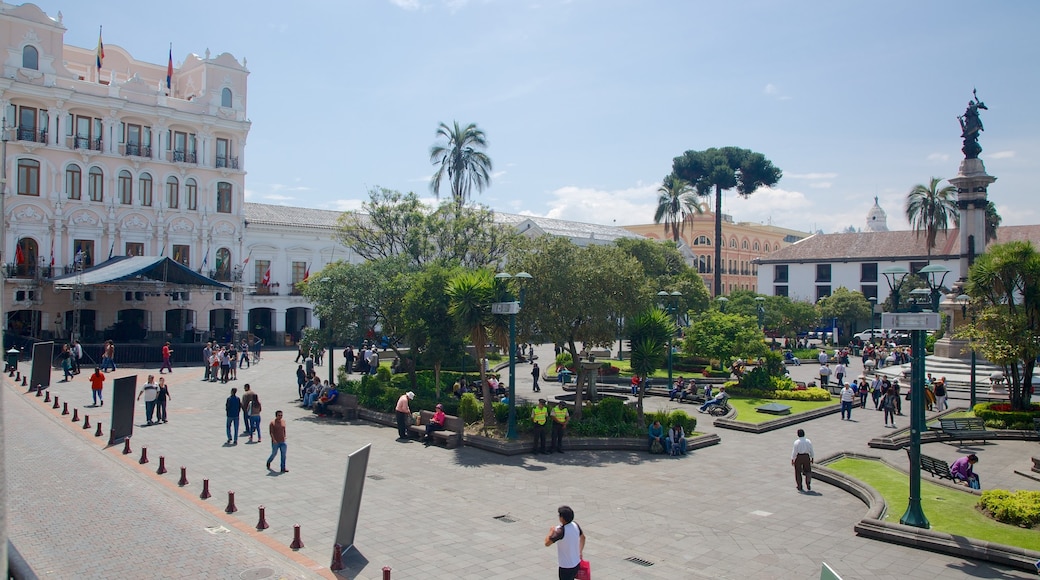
[(802, 459), (570, 543), (151, 393), (847, 396)]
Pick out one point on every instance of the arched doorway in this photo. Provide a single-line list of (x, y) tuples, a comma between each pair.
[(223, 270), (178, 328), (261, 321), (24, 322), (87, 331), (26, 258), (131, 326), (220, 326), (296, 319)]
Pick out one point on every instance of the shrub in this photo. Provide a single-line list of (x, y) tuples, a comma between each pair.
[(757, 379), (608, 370), (608, 418), (1000, 415), (1019, 508), (810, 394), (564, 359), (383, 374), (469, 408), (501, 412)]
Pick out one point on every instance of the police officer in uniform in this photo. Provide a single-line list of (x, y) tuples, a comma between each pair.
[(539, 415), (560, 416)]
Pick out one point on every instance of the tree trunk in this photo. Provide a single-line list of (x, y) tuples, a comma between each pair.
[(578, 398), (437, 379), (639, 403), (718, 242), (489, 411)]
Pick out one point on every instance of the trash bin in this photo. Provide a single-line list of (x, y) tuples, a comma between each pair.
[(566, 376), (12, 358)]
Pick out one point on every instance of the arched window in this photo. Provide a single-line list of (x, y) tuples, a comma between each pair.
[(225, 98), (96, 184), (223, 197), (776, 247), (30, 57), (26, 254), (73, 182), (223, 263), (191, 193), (146, 189), (28, 177), (702, 241), (733, 242), (173, 192), (743, 245), (757, 247), (126, 188)]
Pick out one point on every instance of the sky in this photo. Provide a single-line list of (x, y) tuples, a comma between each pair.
[(586, 102)]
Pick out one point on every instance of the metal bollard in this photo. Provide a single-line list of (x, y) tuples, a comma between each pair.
[(56, 403), (86, 421), (64, 408), (47, 398), (162, 463), (262, 524), (39, 390), (126, 446), (205, 490), (75, 415), (297, 543), (144, 456), (337, 558), (386, 572), (184, 477), (98, 433), (231, 507)]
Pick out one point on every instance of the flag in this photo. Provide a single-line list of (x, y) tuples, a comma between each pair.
[(52, 254), (112, 250), (267, 277), (205, 260), (163, 252), (306, 272), (100, 49), (19, 256), (246, 261), (169, 69)]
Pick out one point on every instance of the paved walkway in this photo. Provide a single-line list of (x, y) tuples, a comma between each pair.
[(729, 511)]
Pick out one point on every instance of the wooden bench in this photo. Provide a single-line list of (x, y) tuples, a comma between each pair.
[(1036, 425), (346, 406), (963, 427), (450, 436), (936, 467)]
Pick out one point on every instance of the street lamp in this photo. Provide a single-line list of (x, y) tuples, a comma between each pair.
[(895, 276), (964, 300), (930, 272), (671, 300), (332, 340), (761, 309), (722, 303), (512, 308), (873, 303)]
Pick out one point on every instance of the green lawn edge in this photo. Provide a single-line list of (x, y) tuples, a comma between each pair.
[(948, 510), (746, 412)]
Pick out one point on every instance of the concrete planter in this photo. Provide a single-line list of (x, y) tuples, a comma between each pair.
[(780, 423)]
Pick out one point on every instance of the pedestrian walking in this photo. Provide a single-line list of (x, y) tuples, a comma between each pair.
[(802, 458), (940, 395), (150, 392), (277, 432), (97, 384), (77, 356), (536, 373), (166, 354), (847, 397), (570, 543), (403, 413), (825, 374), (162, 396), (232, 406), (108, 356), (539, 416), (560, 417), (888, 405), (251, 409)]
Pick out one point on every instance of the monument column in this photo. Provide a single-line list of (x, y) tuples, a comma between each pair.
[(972, 183)]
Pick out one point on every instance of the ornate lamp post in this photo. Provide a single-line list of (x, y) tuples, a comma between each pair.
[(964, 300), (930, 273), (671, 301), (722, 303), (332, 340), (511, 308), (873, 303), (760, 307)]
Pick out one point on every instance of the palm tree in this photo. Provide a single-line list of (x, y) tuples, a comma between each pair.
[(930, 209), (716, 170), (648, 335), (462, 159), (993, 220), (676, 201), (471, 294)]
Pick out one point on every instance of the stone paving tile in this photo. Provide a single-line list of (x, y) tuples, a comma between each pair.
[(431, 514)]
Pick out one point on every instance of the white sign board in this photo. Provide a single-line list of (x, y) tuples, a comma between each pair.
[(505, 307), (911, 320)]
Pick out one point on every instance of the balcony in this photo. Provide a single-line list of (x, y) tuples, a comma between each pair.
[(87, 143), (226, 161), (134, 150), (28, 134), (225, 275), (184, 157), (296, 289), (262, 290)]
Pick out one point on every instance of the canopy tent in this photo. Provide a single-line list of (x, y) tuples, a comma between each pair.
[(150, 271)]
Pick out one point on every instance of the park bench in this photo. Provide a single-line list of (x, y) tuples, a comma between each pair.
[(936, 467), (346, 404), (963, 427), (1036, 425), (450, 436)]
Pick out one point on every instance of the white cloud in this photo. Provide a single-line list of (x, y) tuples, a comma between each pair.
[(810, 175), (634, 205), (820, 184), (497, 174), (938, 157), (345, 204), (1002, 155), (770, 89), (407, 4), (277, 198)]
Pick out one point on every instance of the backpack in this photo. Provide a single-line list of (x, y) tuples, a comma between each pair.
[(656, 448)]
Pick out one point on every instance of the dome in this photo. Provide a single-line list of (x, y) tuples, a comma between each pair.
[(877, 219)]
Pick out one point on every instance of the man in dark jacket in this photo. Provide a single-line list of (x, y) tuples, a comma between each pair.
[(233, 406)]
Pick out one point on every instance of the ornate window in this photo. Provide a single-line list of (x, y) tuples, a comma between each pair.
[(173, 192), (30, 57), (96, 184), (191, 193), (73, 182), (28, 177), (225, 98), (223, 197), (126, 188), (146, 189)]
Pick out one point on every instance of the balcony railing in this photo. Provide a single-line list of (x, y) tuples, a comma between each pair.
[(266, 290), (225, 275), (32, 135), (138, 150), (296, 289), (87, 143), (184, 157), (12, 270), (226, 161)]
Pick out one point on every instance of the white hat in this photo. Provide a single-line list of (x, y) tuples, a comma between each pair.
[(410, 395)]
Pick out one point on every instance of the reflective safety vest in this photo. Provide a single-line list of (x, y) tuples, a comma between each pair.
[(560, 414), (539, 415)]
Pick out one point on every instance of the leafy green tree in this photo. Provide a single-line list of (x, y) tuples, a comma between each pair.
[(993, 220), (665, 269), (460, 157), (930, 209), (471, 293), (1004, 284), (676, 200), (848, 307), (790, 317), (431, 328), (724, 337), (648, 335), (717, 170)]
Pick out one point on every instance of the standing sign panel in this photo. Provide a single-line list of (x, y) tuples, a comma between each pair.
[(350, 508), (41, 364), (122, 398)]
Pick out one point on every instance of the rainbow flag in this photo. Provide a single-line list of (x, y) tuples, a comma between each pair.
[(169, 69), (100, 49)]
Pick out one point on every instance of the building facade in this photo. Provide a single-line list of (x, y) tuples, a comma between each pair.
[(109, 161), (744, 243)]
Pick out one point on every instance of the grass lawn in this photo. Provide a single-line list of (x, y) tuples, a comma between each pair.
[(947, 510), (746, 408), (626, 370)]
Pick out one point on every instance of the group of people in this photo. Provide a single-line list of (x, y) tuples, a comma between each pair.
[(223, 361), (365, 360), (69, 358), (313, 393), (156, 395), (541, 415), (249, 407), (672, 442)]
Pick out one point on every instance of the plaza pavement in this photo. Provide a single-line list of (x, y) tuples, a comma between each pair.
[(79, 510)]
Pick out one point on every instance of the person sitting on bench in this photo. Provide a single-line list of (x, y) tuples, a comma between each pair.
[(676, 444), (963, 470), (691, 391), (717, 400), (436, 423), (656, 433)]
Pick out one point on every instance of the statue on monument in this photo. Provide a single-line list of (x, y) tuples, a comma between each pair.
[(971, 126)]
